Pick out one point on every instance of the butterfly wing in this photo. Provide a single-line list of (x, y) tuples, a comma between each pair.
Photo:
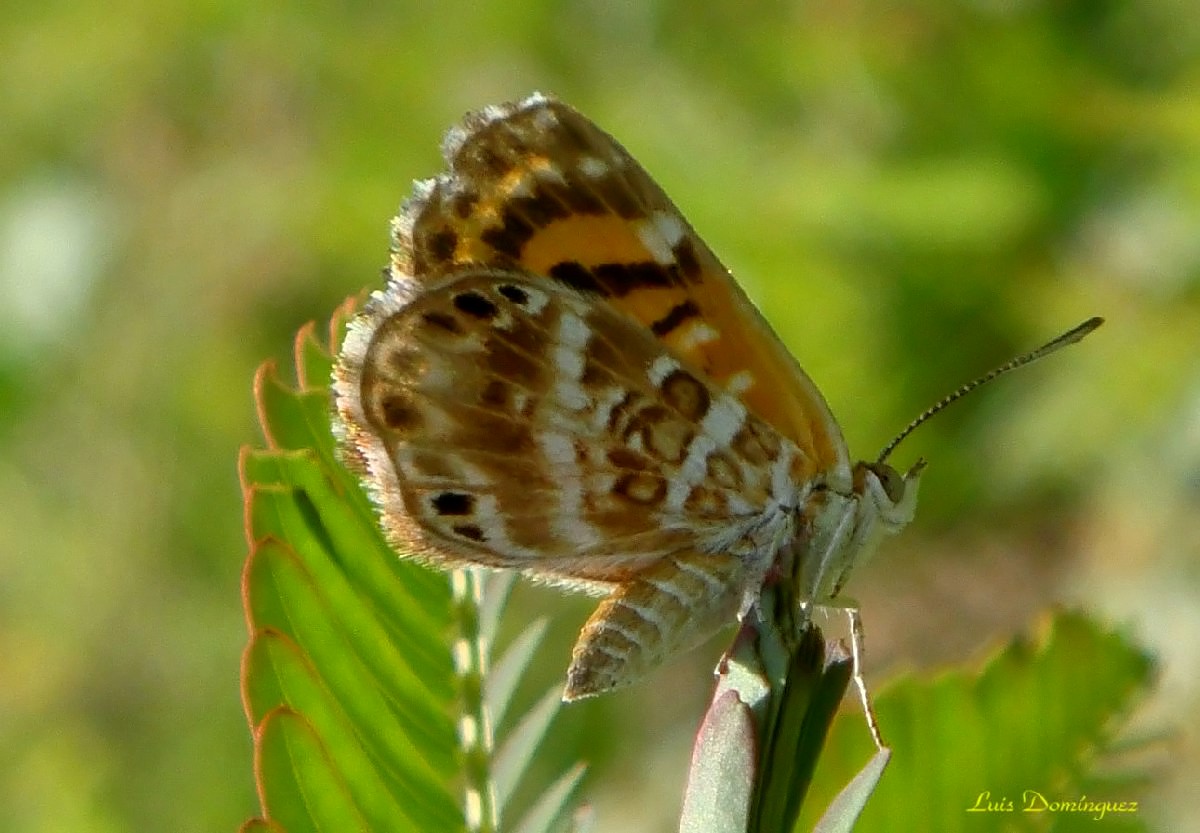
[(535, 185), (561, 378), (505, 420)]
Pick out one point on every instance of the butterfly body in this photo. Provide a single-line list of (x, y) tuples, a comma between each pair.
[(561, 378)]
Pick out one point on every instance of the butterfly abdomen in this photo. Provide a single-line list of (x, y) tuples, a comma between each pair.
[(669, 608)]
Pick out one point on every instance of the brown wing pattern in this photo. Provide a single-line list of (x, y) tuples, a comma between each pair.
[(508, 421)]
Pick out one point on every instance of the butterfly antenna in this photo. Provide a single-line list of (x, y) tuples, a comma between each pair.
[(1069, 337)]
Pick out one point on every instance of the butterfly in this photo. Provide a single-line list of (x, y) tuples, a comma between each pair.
[(561, 378)]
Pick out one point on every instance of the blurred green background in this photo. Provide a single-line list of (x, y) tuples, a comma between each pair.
[(913, 191)]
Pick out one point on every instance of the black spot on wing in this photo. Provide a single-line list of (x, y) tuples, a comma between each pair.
[(510, 237), (573, 193), (453, 503), (577, 276), (482, 158), (618, 197), (442, 321), (475, 305), (469, 531), (685, 256), (675, 316), (399, 414), (441, 244), (622, 278), (540, 209), (514, 293), (463, 203)]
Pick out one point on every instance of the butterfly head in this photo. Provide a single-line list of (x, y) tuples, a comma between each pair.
[(846, 525), (886, 494)]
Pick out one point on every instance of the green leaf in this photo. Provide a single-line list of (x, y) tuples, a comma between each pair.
[(721, 780), (301, 787), (848, 805)]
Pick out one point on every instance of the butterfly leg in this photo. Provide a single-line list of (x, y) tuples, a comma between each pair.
[(856, 653), (666, 609)]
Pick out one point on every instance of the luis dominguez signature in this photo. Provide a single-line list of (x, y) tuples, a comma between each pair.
[(1034, 801)]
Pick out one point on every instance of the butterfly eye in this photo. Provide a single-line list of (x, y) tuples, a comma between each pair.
[(893, 482)]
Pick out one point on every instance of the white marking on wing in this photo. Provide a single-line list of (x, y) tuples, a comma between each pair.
[(570, 395), (592, 167), (738, 505), (724, 419), (739, 382), (692, 471), (567, 521), (695, 333), (552, 173), (573, 335), (650, 234), (545, 119), (669, 226), (502, 320), (558, 448), (782, 486), (661, 368), (537, 299), (608, 399), (573, 331), (568, 362)]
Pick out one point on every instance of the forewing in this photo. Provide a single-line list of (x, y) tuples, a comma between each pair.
[(506, 420), (535, 185)]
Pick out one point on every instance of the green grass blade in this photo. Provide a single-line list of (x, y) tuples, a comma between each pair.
[(546, 813), (507, 671), (514, 756)]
